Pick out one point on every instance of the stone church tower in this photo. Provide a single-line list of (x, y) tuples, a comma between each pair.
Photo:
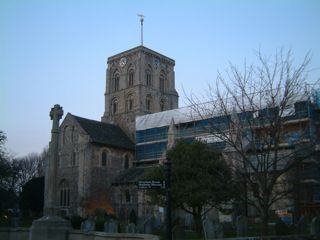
[(139, 81), (93, 155)]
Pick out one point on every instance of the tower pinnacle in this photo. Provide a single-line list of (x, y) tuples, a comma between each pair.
[(141, 21)]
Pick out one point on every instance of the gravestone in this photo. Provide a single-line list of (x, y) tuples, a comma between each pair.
[(148, 226), (315, 226), (157, 221), (99, 214), (111, 226), (208, 229), (14, 222), (131, 228), (88, 225), (15, 219), (301, 225), (213, 229), (241, 226), (178, 231)]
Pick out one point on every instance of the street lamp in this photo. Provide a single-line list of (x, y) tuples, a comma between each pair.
[(168, 195)]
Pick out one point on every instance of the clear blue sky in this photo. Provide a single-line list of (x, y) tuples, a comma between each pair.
[(56, 51)]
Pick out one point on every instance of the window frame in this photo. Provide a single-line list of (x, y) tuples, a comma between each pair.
[(162, 82), (149, 103), (131, 78), (116, 82), (148, 78), (129, 103), (104, 158), (64, 193), (114, 106), (162, 105)]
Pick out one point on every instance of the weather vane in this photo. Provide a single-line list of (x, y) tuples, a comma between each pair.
[(141, 20)]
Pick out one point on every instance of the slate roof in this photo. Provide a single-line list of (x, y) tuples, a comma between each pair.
[(131, 175), (105, 133)]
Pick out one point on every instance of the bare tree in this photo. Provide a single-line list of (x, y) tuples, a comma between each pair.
[(28, 167), (256, 112), (24, 169), (4, 163)]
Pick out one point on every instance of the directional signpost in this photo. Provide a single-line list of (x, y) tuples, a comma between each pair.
[(151, 184), (160, 184)]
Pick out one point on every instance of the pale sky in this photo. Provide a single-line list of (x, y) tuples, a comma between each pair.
[(56, 51)]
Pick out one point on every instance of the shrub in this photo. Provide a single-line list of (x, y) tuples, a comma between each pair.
[(99, 225), (76, 221), (281, 228)]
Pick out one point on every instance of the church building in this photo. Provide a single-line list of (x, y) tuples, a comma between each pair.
[(94, 154), (101, 161)]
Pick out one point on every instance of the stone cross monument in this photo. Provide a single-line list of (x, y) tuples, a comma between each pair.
[(51, 171), (51, 226)]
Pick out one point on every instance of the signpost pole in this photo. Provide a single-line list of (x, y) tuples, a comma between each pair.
[(168, 193)]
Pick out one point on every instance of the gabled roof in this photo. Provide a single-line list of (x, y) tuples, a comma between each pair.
[(129, 176), (104, 133)]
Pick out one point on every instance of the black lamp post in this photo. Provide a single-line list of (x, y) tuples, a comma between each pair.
[(168, 195)]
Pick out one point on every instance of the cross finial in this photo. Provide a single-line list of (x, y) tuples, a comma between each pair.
[(56, 112), (55, 115), (141, 21)]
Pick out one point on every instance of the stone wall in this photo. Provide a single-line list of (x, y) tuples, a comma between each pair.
[(80, 167), (23, 234), (78, 235), (14, 233)]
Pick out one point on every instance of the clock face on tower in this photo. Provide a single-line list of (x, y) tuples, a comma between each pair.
[(123, 62)]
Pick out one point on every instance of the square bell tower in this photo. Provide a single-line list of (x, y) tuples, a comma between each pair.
[(139, 81)]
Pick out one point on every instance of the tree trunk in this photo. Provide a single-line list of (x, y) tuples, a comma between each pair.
[(264, 222), (198, 222)]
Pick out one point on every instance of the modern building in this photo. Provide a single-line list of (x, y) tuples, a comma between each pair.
[(301, 124)]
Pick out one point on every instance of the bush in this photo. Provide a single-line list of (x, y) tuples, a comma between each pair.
[(281, 228), (99, 225), (76, 221), (229, 230)]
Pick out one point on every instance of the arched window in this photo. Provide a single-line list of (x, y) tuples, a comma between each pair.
[(133, 217), (148, 78), (162, 105), (128, 197), (64, 193), (114, 106), (129, 103), (65, 135), (126, 161), (162, 80), (116, 80), (104, 159), (72, 134), (131, 78), (73, 159), (149, 103)]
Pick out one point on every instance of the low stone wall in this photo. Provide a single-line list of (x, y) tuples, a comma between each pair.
[(79, 235), (23, 234), (288, 237), (14, 233)]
